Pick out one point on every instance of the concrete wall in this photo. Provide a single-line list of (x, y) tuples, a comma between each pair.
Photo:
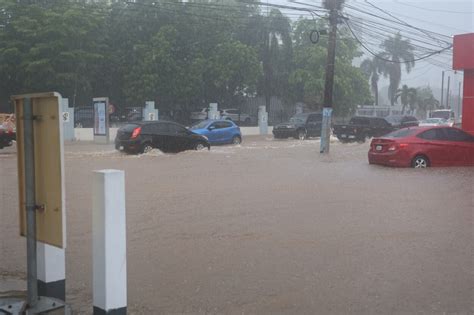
[(87, 134)]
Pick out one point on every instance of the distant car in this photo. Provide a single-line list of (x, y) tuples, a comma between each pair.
[(142, 137), (447, 114), (402, 121), (200, 115), (235, 115), (218, 131), (6, 137), (84, 117), (433, 122), (361, 127), (300, 126), (421, 147)]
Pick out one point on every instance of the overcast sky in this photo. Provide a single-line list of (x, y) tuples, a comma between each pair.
[(445, 17)]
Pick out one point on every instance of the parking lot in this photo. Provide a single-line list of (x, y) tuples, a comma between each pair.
[(268, 227)]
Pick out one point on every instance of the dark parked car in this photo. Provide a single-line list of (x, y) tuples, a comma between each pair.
[(420, 147), (402, 121), (361, 128), (6, 137), (166, 136), (84, 117), (300, 126)]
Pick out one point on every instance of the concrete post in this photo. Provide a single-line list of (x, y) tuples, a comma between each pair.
[(68, 120), (326, 132), (263, 120), (51, 271), (213, 111), (109, 243)]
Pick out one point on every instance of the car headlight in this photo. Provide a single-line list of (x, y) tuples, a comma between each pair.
[(206, 138)]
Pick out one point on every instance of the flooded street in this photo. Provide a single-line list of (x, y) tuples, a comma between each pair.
[(268, 227)]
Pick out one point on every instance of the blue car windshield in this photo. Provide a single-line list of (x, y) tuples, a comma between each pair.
[(199, 125)]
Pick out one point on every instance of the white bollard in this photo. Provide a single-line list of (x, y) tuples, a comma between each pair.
[(263, 120), (109, 243), (51, 266)]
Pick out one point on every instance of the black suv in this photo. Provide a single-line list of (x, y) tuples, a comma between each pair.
[(402, 121), (141, 137), (360, 127), (300, 126)]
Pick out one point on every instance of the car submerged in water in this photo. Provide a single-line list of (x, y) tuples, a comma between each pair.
[(421, 147), (218, 131), (142, 137)]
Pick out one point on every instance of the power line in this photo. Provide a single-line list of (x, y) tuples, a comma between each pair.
[(388, 60), (409, 17), (391, 15), (382, 31), (391, 20), (432, 10)]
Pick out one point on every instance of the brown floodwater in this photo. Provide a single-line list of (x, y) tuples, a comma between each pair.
[(267, 227)]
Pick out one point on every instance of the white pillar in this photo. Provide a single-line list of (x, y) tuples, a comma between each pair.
[(109, 243), (149, 112), (51, 267), (213, 111), (263, 120)]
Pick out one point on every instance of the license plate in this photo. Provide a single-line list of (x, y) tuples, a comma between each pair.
[(343, 136), (378, 147)]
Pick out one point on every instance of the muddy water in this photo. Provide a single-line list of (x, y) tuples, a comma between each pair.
[(269, 227)]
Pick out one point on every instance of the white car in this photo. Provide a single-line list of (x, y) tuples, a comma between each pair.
[(235, 115), (200, 115), (433, 122)]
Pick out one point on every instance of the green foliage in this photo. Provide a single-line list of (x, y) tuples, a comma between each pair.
[(351, 86), (44, 48), (180, 54)]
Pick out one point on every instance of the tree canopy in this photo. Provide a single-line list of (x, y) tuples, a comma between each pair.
[(182, 55)]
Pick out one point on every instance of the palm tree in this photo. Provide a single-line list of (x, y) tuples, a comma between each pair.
[(407, 96), (372, 68), (412, 99), (399, 51)]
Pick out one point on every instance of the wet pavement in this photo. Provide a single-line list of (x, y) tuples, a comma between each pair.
[(268, 227)]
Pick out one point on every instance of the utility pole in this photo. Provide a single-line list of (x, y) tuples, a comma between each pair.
[(328, 86), (447, 93), (442, 88)]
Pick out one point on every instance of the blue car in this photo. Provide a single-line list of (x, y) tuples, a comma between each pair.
[(218, 131)]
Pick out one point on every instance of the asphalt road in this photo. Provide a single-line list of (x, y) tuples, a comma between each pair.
[(268, 227)]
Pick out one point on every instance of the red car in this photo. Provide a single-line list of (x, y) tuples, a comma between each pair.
[(420, 147)]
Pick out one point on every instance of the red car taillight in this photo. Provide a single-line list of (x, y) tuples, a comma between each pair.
[(136, 132), (397, 146)]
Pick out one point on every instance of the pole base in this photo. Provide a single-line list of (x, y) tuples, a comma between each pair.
[(45, 305)]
